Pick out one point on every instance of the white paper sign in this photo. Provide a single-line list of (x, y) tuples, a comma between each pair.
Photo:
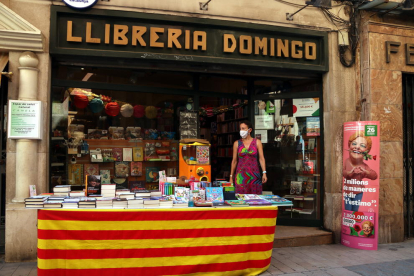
[(305, 107), (24, 119), (80, 4), (264, 122), (263, 135)]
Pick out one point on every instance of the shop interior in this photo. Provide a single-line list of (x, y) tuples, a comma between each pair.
[(220, 101)]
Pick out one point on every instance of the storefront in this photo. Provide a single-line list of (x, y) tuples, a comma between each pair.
[(151, 68)]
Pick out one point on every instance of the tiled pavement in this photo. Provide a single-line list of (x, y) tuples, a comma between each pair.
[(319, 260)]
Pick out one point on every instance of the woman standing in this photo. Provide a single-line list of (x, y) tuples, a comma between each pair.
[(245, 151)]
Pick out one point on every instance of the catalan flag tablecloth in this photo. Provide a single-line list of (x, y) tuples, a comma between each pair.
[(193, 241)]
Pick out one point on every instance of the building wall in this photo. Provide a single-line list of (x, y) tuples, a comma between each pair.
[(340, 94)]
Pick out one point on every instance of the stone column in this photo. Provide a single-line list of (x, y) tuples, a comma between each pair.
[(26, 150)]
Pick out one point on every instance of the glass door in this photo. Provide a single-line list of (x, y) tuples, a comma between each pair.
[(287, 119)]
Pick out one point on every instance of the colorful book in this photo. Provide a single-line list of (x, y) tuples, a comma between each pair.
[(93, 185), (181, 194), (105, 176), (215, 194), (236, 203), (91, 169), (117, 154), (136, 186), (127, 154), (136, 168), (257, 202), (75, 174), (138, 154), (121, 169), (152, 174), (203, 154)]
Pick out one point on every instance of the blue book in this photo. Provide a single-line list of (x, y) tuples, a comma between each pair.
[(215, 194)]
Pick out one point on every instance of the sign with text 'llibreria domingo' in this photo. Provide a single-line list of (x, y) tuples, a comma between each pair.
[(360, 185)]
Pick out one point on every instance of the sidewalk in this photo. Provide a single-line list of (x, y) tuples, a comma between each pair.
[(319, 260)]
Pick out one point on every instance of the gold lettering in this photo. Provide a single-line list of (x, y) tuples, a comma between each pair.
[(282, 48), (226, 39), (197, 42), (89, 38), (69, 35), (120, 32), (247, 50), (297, 53), (154, 37), (173, 35), (260, 44), (310, 50), (272, 47), (187, 40), (107, 33), (137, 33)]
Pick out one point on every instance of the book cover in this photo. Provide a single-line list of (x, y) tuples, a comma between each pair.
[(295, 187), (93, 185), (181, 194), (127, 154), (121, 169), (236, 203), (32, 190), (151, 174), (75, 174), (105, 176), (117, 154), (91, 169), (258, 202), (215, 194), (136, 168), (138, 154), (251, 196), (136, 186), (203, 154)]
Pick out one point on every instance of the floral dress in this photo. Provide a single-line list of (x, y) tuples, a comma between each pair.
[(248, 180)]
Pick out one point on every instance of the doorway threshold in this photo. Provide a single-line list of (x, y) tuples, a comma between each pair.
[(293, 236)]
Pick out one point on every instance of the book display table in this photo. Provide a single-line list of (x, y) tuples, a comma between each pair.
[(197, 241)]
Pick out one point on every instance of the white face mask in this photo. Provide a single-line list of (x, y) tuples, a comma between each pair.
[(244, 133)]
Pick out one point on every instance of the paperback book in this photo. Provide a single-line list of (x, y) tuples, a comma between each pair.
[(215, 194)]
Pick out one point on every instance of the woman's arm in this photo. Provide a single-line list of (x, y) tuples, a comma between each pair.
[(234, 161), (262, 160), (369, 173)]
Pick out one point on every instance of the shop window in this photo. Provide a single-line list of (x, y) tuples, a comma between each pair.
[(128, 137), (223, 84), (271, 86)]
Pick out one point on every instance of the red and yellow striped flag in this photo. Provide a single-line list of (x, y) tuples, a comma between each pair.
[(194, 241)]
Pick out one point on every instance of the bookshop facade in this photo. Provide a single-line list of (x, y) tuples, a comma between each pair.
[(117, 76)]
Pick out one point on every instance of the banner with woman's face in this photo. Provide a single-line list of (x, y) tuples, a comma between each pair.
[(360, 184)]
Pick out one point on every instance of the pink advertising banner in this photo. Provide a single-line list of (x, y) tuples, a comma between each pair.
[(360, 184)]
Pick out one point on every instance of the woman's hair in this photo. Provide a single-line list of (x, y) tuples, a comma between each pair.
[(369, 223), (247, 123), (360, 134), (92, 178)]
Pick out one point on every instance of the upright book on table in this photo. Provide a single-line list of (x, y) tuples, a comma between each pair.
[(215, 194), (93, 185)]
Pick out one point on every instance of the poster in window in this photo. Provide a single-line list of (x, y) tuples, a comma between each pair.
[(264, 122), (306, 107), (313, 126)]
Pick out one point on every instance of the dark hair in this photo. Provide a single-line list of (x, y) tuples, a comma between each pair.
[(92, 178), (247, 123)]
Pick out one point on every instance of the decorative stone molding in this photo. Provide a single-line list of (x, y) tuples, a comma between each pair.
[(17, 34)]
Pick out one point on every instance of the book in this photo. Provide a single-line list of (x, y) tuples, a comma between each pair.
[(295, 187), (203, 203), (152, 174), (257, 202), (75, 174), (127, 154), (203, 154), (137, 154), (32, 190), (181, 194), (121, 169), (117, 154), (91, 169), (215, 194), (105, 176), (236, 203), (61, 188), (136, 168), (136, 186), (93, 185)]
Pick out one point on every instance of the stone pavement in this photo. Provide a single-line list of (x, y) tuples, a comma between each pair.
[(319, 260)]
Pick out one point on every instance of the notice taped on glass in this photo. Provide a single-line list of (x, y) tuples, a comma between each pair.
[(24, 119), (360, 184)]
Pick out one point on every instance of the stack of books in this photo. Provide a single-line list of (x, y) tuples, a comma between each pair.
[(35, 202), (180, 204), (257, 202), (108, 190), (87, 203), (77, 194), (120, 203), (127, 195), (142, 194), (70, 203), (104, 202), (165, 203), (61, 190), (53, 204), (236, 203), (151, 203), (121, 191), (135, 203)]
